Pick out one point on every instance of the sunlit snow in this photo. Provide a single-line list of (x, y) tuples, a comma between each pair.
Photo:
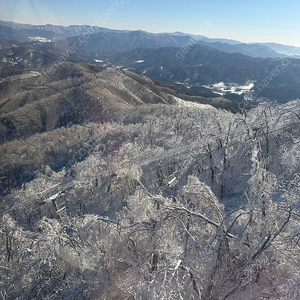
[(222, 88), (39, 39)]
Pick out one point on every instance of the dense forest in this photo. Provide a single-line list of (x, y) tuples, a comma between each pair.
[(113, 188)]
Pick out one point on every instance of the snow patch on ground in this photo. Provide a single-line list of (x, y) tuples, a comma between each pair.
[(39, 39), (222, 88)]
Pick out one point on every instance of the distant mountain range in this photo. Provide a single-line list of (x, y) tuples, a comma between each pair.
[(284, 49), (26, 32), (124, 40), (180, 58), (276, 79), (16, 57)]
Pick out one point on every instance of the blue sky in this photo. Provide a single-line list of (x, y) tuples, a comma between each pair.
[(246, 21)]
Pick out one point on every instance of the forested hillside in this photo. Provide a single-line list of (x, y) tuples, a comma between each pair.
[(201, 64), (113, 188)]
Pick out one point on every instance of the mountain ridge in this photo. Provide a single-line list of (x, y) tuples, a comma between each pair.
[(52, 33)]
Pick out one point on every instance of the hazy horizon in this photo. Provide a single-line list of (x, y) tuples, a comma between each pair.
[(253, 22)]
